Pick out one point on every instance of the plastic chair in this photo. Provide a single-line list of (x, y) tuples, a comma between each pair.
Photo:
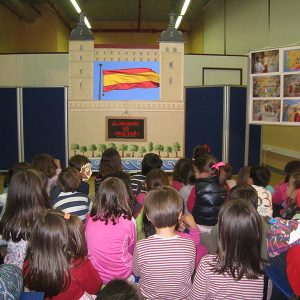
[(32, 296), (279, 280)]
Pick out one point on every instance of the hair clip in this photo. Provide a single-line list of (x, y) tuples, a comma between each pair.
[(67, 216), (218, 165)]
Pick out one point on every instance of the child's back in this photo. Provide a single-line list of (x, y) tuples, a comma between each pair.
[(69, 200), (164, 261), (165, 266), (111, 231), (111, 247)]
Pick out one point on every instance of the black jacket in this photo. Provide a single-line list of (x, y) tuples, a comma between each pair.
[(210, 195)]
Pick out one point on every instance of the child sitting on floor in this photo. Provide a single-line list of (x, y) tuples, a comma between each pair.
[(69, 199), (83, 165), (57, 262), (111, 231), (164, 261), (260, 177)]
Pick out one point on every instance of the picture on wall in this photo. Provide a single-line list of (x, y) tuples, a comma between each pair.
[(291, 60), (291, 111), (266, 86), (291, 85), (266, 110), (265, 62)]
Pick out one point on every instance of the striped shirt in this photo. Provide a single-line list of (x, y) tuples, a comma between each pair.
[(137, 182), (208, 285), (73, 203), (165, 267)]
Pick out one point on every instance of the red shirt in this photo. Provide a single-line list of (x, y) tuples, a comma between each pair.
[(293, 268), (83, 278)]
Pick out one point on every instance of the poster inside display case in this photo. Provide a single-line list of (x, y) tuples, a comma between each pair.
[(275, 86)]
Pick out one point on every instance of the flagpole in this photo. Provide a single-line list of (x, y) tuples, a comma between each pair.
[(100, 82)]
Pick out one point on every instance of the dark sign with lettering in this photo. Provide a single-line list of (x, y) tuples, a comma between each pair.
[(125, 128)]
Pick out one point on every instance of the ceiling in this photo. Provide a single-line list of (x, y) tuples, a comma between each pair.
[(104, 14)]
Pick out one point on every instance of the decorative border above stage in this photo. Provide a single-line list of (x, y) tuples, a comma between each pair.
[(126, 105), (135, 164)]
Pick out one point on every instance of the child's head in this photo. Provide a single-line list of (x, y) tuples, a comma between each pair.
[(110, 162), (26, 199), (111, 201), (205, 166), (163, 207), (12, 170), (48, 254), (290, 168), (294, 186), (226, 171), (184, 171), (69, 180), (120, 289), (125, 178), (200, 150), (150, 161), (244, 176), (260, 175), (82, 164), (244, 192), (156, 178), (77, 247), (45, 163), (239, 240)]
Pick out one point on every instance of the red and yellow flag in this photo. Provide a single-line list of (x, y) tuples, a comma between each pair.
[(125, 79)]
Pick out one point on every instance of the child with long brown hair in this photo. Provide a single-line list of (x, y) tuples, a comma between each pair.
[(26, 200), (236, 271), (111, 231), (57, 262)]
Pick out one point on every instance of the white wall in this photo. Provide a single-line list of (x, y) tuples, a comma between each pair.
[(34, 69)]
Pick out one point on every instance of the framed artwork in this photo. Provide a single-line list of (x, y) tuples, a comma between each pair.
[(291, 111), (292, 60), (274, 86), (266, 86), (266, 110), (265, 62)]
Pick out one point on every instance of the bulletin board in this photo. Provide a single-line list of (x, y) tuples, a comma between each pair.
[(120, 128), (275, 86)]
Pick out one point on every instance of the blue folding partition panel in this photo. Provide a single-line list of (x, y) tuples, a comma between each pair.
[(237, 127), (44, 122), (8, 128), (204, 118), (254, 147)]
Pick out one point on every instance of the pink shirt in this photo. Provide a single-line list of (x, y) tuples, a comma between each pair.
[(194, 235), (110, 247), (177, 185), (279, 196)]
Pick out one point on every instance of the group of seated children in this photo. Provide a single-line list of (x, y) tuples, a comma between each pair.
[(200, 236)]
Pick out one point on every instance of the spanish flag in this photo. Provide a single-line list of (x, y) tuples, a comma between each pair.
[(125, 79)]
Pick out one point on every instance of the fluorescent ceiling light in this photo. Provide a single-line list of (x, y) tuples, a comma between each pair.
[(184, 7), (76, 6), (178, 21), (87, 23)]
